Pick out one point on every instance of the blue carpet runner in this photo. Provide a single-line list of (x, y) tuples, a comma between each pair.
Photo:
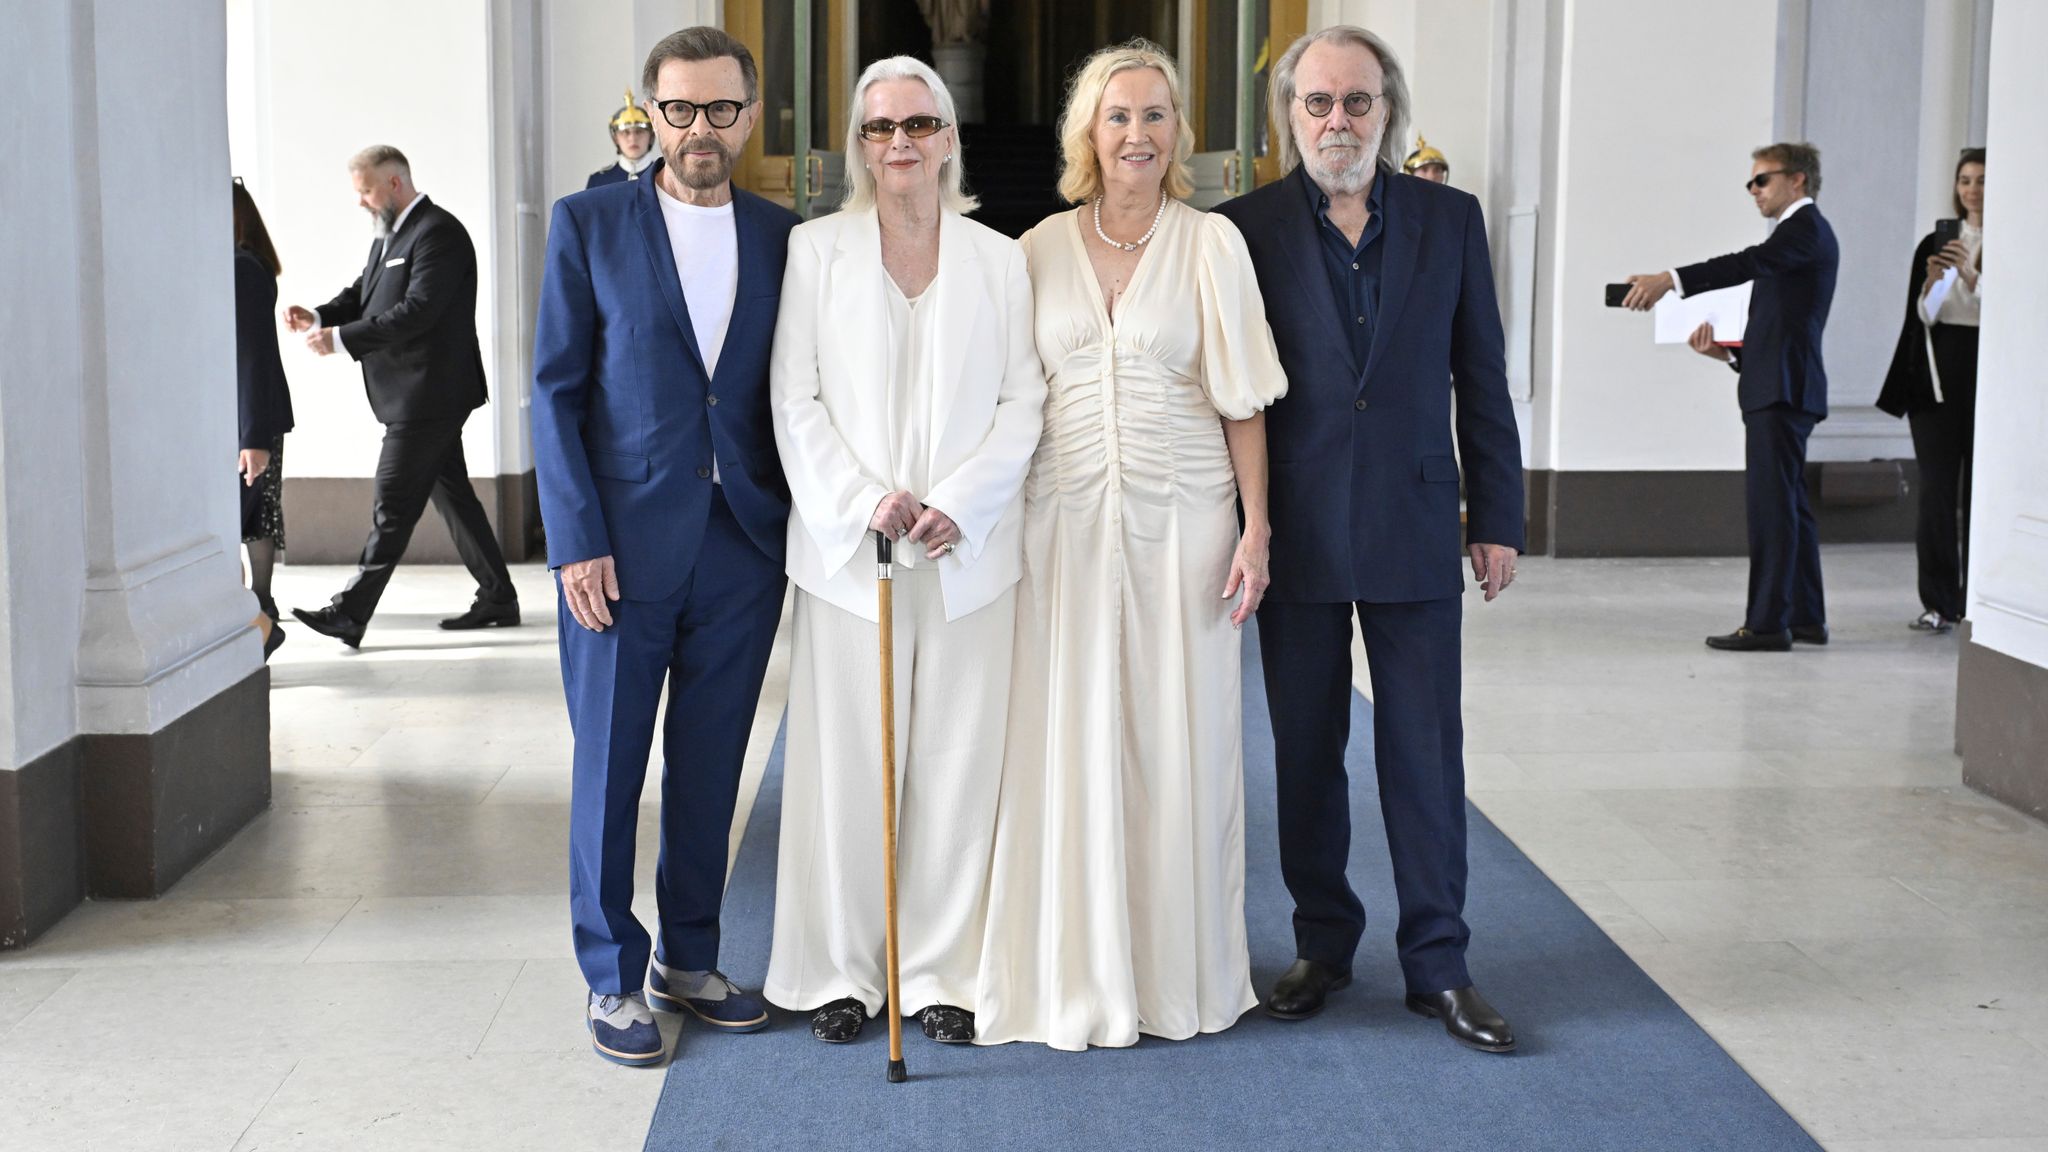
[(1607, 1060)]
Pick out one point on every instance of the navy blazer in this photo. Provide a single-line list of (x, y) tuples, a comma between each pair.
[(1794, 271), (626, 424), (1364, 490), (264, 400)]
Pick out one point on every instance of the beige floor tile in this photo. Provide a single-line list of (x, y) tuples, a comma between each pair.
[(1810, 833), (502, 745), (1681, 770), (127, 933), (2013, 903), (1960, 979), (303, 787), (1725, 911), (120, 1103), (2034, 1144), (22, 989), (503, 1102), (267, 1010), (1571, 838), (1623, 924)]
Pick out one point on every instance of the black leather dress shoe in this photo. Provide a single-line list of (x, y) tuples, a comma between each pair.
[(329, 621), (1816, 634), (1467, 1016), (1300, 991), (840, 1021), (274, 641), (484, 614), (1743, 640), (947, 1024)]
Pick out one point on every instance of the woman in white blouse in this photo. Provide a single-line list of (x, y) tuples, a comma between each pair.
[(1933, 384), (1116, 900), (907, 397)]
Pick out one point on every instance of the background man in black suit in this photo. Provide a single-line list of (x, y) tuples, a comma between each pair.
[(1783, 389), (410, 320)]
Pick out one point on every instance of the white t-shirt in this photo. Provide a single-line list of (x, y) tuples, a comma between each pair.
[(707, 254)]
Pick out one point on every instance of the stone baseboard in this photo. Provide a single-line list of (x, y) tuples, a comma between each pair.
[(42, 855), (119, 816), (327, 517), (1700, 513), (2002, 727), (156, 804)]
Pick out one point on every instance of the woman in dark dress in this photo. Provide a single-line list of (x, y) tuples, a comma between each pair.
[(1933, 384), (266, 406)]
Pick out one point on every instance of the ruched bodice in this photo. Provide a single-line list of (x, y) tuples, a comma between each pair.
[(1116, 901)]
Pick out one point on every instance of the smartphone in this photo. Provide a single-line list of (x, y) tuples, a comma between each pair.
[(1616, 293), (1947, 231)]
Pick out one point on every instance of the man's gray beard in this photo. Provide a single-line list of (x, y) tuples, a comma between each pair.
[(381, 221), (701, 178), (1351, 179)]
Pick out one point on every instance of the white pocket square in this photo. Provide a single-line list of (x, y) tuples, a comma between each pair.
[(394, 262)]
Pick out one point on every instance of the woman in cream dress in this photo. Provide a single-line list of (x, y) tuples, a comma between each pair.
[(906, 394), (1116, 898)]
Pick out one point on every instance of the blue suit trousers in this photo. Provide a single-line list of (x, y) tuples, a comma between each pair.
[(709, 641), (1419, 752), (1784, 540)]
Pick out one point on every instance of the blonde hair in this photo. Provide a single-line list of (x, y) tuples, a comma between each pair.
[(860, 183), (1393, 92), (1080, 171)]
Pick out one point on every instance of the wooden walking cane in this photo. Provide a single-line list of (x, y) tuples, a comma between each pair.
[(885, 599)]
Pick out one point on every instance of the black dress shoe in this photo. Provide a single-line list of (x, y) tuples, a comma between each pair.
[(1467, 1016), (1300, 991), (1743, 640), (484, 614), (840, 1021), (274, 641), (329, 621), (947, 1024), (1816, 634)]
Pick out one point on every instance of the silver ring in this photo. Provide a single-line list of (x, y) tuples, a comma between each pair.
[(948, 547)]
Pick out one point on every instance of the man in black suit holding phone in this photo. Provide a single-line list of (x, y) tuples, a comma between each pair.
[(410, 320), (1783, 388)]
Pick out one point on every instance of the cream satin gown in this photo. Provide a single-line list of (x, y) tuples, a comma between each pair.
[(1116, 899)]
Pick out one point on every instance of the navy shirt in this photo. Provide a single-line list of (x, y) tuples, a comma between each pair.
[(1354, 270)]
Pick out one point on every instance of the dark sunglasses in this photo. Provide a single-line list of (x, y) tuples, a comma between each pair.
[(1357, 104), (1763, 179), (916, 127), (720, 113)]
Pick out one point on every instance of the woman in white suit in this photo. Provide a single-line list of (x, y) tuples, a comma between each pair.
[(907, 399)]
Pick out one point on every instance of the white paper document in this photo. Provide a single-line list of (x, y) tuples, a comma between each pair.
[(1726, 309)]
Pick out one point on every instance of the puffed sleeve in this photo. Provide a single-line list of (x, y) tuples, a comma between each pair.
[(1240, 367)]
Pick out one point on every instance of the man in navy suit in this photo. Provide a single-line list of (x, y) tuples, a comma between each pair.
[(665, 509), (1783, 389), (1380, 295)]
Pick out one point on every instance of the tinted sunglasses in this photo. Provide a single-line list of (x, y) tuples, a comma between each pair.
[(916, 127), (1762, 179)]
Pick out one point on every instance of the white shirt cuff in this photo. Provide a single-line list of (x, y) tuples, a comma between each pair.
[(1677, 285)]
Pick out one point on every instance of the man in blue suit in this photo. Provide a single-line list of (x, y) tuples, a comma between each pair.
[(665, 510), (1783, 389), (1380, 295)]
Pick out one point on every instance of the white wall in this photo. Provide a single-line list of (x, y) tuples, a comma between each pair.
[(592, 57), (2009, 515), (1642, 173), (320, 83)]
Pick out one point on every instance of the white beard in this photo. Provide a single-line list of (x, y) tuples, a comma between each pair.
[(1351, 179)]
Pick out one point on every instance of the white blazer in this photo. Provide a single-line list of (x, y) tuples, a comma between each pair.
[(828, 389)]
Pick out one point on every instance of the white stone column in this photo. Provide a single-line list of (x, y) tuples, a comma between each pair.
[(126, 633), (2002, 700)]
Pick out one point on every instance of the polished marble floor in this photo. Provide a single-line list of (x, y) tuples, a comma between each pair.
[(382, 961)]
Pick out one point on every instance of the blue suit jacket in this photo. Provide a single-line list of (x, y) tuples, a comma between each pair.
[(1364, 499), (626, 424), (1794, 271)]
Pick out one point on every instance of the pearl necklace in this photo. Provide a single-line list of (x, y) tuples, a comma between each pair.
[(1142, 240)]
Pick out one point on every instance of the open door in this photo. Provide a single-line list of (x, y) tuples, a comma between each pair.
[(794, 157), (1228, 48)]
